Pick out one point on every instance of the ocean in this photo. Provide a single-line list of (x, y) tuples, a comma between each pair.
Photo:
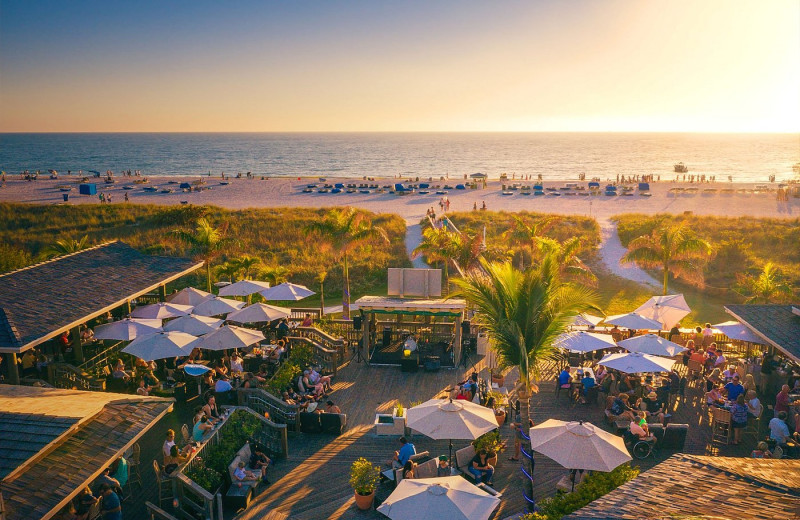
[(556, 156)]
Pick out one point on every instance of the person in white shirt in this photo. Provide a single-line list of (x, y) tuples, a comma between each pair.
[(236, 363)]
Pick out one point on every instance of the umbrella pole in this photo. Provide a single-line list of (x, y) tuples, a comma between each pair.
[(450, 457)]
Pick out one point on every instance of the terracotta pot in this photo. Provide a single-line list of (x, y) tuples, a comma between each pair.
[(500, 415), (364, 502), (499, 379)]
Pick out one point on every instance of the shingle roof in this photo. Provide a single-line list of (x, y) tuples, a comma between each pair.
[(776, 323), (46, 482), (40, 301), (704, 487), (23, 435)]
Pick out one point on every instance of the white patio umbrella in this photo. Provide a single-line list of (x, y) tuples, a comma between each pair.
[(287, 292), (188, 296), (243, 288), (160, 345), (215, 306), (735, 330), (450, 498), (581, 341), (194, 325), (127, 329), (586, 320), (579, 445), (229, 336), (668, 310), (161, 311), (651, 344), (258, 313), (634, 321), (636, 363), (448, 419)]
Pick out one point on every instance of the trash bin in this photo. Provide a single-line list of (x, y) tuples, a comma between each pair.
[(66, 196)]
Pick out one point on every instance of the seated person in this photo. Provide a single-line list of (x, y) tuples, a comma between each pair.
[(714, 397), (208, 380), (262, 375), (195, 355), (84, 503), (733, 389), (588, 382), (200, 428), (111, 509), (480, 468), (401, 456), (87, 334), (211, 411), (259, 460), (222, 385), (720, 361), (729, 372), (173, 460), (237, 363), (408, 470), (317, 388), (119, 371), (652, 408), (600, 373), (144, 388), (277, 354), (220, 368), (243, 475), (620, 408), (698, 356), (778, 430), (761, 451), (625, 385), (307, 321), (754, 406), (332, 408), (410, 344), (640, 429), (564, 379), (713, 379), (443, 468), (289, 396), (316, 378)]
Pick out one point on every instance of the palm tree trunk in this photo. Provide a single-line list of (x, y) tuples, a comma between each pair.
[(666, 278), (527, 463), (346, 293), (321, 299), (208, 274)]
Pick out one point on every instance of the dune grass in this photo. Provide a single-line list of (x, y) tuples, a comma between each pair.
[(274, 235)]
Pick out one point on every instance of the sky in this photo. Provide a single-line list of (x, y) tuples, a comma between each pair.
[(449, 65)]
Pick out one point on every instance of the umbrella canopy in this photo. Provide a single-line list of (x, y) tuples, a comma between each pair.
[(287, 292), (447, 419), (194, 325), (127, 329), (188, 296), (635, 321), (580, 341), (452, 498), (229, 336), (636, 363), (161, 311), (478, 175), (243, 288), (586, 320), (651, 344), (195, 369), (160, 345), (668, 310), (579, 445), (735, 330), (214, 306), (259, 312)]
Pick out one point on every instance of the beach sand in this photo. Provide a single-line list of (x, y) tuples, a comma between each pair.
[(284, 192)]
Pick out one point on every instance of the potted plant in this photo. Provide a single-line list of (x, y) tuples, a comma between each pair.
[(399, 418), (363, 479), (498, 377), (491, 443), (499, 411)]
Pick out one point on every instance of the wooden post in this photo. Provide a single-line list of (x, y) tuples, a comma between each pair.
[(13, 369), (128, 307), (77, 348), (365, 335), (162, 292)]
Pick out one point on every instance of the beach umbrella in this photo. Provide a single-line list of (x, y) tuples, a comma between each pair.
[(448, 419), (160, 345), (126, 329), (652, 344), (229, 336), (451, 498), (287, 292), (243, 288), (215, 306), (258, 313), (194, 325), (586, 320), (478, 175), (196, 370), (634, 321), (668, 310), (636, 362), (161, 311), (580, 341), (579, 445), (188, 296), (735, 330)]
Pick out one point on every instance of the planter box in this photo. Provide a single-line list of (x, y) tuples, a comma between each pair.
[(386, 424)]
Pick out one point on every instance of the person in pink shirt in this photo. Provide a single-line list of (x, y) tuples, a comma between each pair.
[(782, 400)]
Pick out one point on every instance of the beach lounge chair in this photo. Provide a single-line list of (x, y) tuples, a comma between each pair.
[(538, 187), (594, 185), (336, 190), (644, 186), (339, 185), (460, 187)]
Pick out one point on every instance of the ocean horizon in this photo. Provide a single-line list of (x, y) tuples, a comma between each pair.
[(553, 155)]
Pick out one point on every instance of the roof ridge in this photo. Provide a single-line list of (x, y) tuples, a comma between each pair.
[(709, 462), (55, 259)]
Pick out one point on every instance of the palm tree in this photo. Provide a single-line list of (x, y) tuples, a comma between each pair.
[(566, 255), (523, 313), (675, 249), (523, 235), (436, 246), (344, 230), (206, 240), (228, 269), (769, 286), (245, 265), (66, 247), (275, 274), (466, 251)]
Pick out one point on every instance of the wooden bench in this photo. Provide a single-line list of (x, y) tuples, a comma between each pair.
[(240, 493)]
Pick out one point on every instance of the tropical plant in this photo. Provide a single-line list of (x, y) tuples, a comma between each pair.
[(275, 275), (65, 247), (674, 249), (343, 230), (768, 286), (566, 254), (523, 235), (398, 410), (523, 313), (364, 476), (227, 270), (246, 265), (436, 247), (489, 441), (206, 240)]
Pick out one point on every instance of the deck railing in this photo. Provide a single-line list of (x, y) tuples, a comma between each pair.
[(101, 358), (264, 402), (64, 375), (331, 350)]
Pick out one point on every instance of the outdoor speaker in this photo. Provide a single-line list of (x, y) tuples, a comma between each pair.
[(357, 322)]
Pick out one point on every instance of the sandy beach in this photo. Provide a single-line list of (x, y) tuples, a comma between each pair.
[(740, 199)]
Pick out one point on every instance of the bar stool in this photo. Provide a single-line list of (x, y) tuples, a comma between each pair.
[(720, 425)]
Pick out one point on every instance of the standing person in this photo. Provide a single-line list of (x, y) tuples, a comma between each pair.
[(739, 418), (307, 321), (782, 401), (674, 331), (111, 508)]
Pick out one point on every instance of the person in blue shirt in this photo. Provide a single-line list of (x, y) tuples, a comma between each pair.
[(588, 382), (111, 508), (734, 389), (406, 451), (564, 378)]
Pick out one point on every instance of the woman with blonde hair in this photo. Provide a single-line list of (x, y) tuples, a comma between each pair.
[(713, 379), (749, 383)]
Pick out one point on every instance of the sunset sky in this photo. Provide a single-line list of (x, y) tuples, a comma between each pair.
[(689, 66)]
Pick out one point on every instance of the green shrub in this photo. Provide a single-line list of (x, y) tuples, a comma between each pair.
[(593, 487), (205, 477), (282, 378), (364, 476)]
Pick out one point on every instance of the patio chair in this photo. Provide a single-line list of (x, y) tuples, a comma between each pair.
[(777, 453), (134, 463), (754, 424), (164, 485), (720, 425), (187, 438)]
